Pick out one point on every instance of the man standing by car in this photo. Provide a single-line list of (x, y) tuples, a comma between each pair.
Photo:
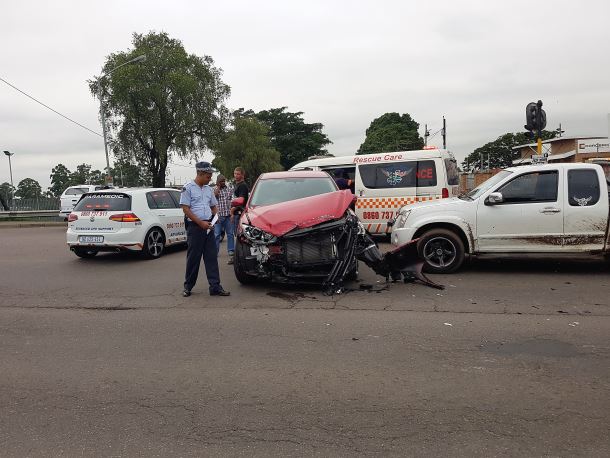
[(241, 190), (224, 195), (199, 206)]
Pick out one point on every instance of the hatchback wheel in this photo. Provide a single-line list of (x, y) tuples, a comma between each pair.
[(154, 243), (239, 264)]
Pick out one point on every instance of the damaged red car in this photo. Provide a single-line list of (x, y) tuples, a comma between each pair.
[(298, 227)]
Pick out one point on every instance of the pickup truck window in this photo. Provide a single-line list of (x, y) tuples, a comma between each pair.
[(398, 174), (530, 188), (476, 192), (583, 188)]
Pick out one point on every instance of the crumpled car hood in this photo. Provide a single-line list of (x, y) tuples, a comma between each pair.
[(279, 219)]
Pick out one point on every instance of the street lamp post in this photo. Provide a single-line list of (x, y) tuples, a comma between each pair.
[(141, 58), (10, 167)]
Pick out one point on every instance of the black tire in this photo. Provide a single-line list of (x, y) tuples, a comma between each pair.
[(239, 264), (442, 251), (154, 243), (85, 253)]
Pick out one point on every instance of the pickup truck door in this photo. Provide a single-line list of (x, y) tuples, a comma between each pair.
[(586, 210), (530, 218)]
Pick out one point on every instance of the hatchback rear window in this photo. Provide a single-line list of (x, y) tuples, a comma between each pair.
[(104, 202)]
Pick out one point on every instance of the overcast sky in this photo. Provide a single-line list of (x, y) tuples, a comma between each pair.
[(342, 63)]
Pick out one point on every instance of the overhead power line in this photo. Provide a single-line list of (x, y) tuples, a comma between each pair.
[(48, 107)]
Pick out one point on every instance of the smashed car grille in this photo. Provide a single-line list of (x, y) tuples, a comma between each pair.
[(311, 249)]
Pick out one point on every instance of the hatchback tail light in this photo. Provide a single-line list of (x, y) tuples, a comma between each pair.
[(125, 218), (72, 217), (445, 193)]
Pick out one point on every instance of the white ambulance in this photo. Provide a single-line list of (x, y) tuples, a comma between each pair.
[(383, 183)]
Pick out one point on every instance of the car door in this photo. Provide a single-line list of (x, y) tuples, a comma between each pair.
[(165, 210), (529, 219), (586, 210)]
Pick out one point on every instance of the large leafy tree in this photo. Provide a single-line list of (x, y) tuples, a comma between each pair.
[(28, 188), (392, 132), (6, 192), (60, 179), (247, 146), (295, 139), (499, 153), (126, 173), (170, 104)]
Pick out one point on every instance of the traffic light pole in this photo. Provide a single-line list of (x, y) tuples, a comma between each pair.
[(539, 129)]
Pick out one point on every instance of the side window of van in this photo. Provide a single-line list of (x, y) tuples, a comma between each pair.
[(398, 174)]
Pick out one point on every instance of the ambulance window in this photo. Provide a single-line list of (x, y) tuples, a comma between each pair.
[(398, 174), (453, 175)]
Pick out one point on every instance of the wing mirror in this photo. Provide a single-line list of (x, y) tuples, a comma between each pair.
[(494, 198)]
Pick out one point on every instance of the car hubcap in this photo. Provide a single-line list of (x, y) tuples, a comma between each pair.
[(155, 243), (440, 252)]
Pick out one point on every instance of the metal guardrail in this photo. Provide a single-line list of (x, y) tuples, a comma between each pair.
[(29, 214)]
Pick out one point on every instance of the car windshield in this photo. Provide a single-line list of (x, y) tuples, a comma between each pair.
[(275, 190), (104, 202), (476, 192), (75, 191)]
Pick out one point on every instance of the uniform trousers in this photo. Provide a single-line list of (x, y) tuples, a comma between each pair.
[(200, 244)]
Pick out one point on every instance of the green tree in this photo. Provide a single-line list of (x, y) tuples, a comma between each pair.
[(392, 132), (81, 175), (295, 139), (171, 104), (60, 179), (6, 193), (247, 146), (126, 173), (499, 153), (28, 188)]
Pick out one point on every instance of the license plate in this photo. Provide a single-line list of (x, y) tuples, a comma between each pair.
[(91, 239)]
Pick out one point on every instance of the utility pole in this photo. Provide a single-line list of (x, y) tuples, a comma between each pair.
[(426, 134), (559, 131), (444, 134)]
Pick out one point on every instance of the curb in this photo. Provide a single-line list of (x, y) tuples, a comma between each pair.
[(18, 225)]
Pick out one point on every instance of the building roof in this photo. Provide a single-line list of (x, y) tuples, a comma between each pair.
[(556, 139)]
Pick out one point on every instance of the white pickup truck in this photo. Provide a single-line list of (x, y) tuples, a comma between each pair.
[(553, 208)]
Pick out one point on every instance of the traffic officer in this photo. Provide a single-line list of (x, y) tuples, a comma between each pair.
[(199, 206)]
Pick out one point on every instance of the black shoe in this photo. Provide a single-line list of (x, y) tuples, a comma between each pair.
[(220, 292), (186, 293)]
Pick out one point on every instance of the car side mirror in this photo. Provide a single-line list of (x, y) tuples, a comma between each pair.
[(494, 198), (238, 202)]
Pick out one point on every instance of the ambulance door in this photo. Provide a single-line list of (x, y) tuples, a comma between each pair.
[(429, 181), (381, 190)]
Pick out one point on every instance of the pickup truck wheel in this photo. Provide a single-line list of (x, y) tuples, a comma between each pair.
[(442, 251)]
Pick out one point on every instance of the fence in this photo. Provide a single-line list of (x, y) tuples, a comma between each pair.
[(39, 204)]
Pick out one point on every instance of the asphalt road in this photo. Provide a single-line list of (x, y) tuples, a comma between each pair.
[(103, 357)]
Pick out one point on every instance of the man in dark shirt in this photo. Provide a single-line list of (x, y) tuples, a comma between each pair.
[(241, 190)]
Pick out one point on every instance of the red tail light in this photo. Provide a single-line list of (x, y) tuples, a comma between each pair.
[(72, 217), (445, 193), (125, 218)]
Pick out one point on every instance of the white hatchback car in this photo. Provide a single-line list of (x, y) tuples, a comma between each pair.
[(145, 220), (71, 195)]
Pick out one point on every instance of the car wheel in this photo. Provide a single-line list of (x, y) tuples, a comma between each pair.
[(154, 243), (239, 264), (84, 252), (442, 251)]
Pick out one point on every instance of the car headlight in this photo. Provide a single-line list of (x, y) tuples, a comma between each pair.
[(401, 220), (256, 235)]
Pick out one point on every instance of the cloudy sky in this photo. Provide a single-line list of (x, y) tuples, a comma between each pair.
[(342, 63)]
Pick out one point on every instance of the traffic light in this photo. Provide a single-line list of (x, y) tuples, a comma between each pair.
[(535, 117)]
